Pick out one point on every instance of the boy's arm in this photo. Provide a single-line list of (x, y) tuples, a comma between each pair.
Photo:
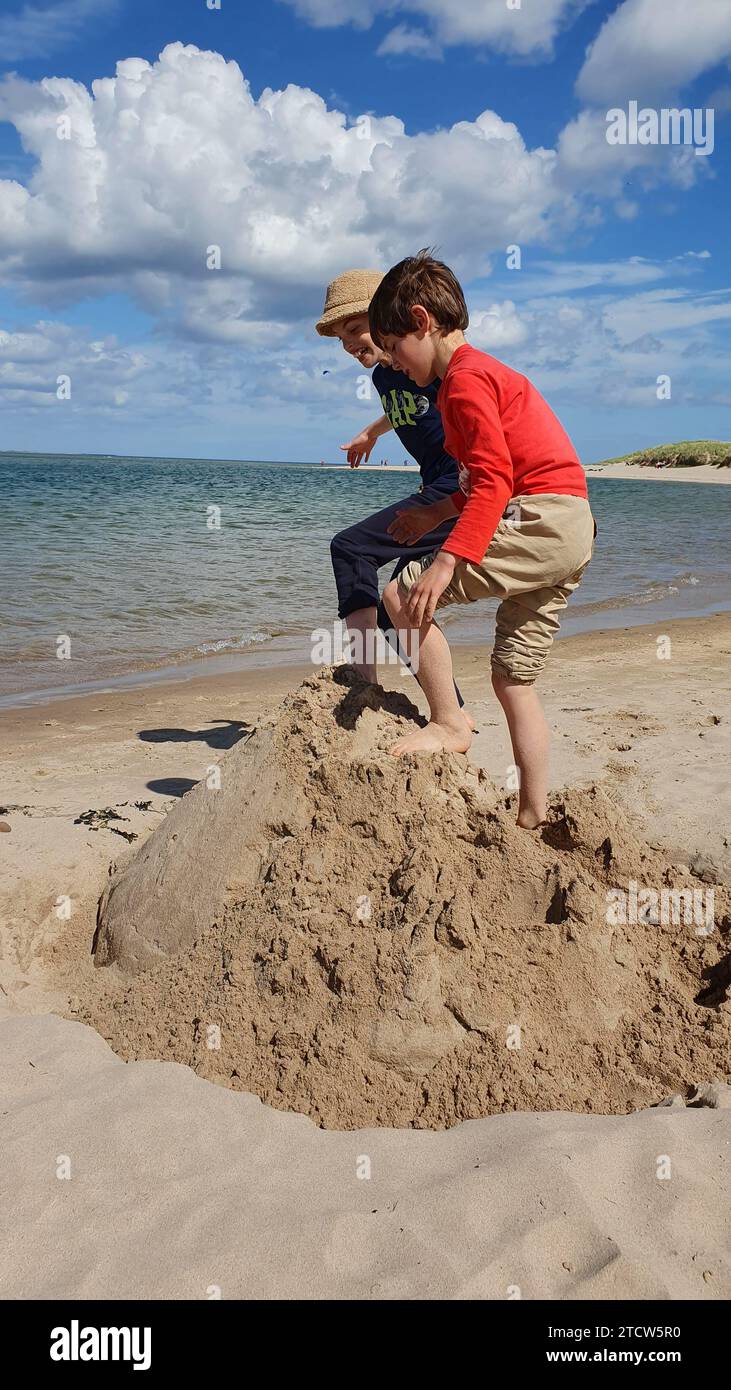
[(359, 448), (473, 412), (449, 507), (412, 523)]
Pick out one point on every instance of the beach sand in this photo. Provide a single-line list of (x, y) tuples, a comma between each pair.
[(562, 1205), (703, 473), (179, 1189)]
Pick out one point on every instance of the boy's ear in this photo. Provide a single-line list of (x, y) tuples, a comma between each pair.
[(420, 318)]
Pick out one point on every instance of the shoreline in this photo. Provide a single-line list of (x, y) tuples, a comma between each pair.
[(263, 659), (261, 675)]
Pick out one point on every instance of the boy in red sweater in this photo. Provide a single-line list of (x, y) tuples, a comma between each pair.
[(524, 534)]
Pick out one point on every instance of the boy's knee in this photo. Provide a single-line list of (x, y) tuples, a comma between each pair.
[(339, 544), (391, 597), (499, 680)]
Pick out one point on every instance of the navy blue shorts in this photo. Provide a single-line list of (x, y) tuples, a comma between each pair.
[(360, 551)]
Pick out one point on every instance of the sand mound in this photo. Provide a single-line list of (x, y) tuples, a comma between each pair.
[(372, 941)]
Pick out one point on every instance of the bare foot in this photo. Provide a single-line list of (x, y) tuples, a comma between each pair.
[(470, 720), (530, 819), (435, 738)]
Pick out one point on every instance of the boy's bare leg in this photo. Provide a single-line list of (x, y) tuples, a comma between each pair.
[(448, 728), (529, 737), (362, 627)]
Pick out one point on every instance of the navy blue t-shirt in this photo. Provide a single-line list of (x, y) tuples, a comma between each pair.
[(413, 413)]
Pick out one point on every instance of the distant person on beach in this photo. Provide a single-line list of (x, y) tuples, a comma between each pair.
[(359, 552), (525, 532)]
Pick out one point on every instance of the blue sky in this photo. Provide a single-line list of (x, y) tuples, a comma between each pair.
[(305, 136)]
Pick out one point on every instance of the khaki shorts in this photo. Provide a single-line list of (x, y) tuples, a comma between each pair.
[(532, 564)]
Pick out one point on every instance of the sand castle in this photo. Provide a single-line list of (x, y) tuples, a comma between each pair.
[(373, 941)]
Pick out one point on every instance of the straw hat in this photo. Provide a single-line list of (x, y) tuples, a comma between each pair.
[(347, 296)]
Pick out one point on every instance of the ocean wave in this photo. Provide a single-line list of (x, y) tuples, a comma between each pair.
[(654, 592), (226, 644)]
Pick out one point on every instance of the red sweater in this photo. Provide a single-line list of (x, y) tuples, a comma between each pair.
[(507, 442)]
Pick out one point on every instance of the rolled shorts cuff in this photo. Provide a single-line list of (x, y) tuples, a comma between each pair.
[(360, 598), (523, 667)]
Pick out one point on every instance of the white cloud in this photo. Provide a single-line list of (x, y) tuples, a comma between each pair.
[(170, 159), (330, 14), (497, 327), (648, 49), (553, 278), (606, 348), (404, 40), (191, 382), (33, 359), (34, 31), (609, 349), (588, 162), (525, 31), (167, 160), (528, 30), (666, 311)]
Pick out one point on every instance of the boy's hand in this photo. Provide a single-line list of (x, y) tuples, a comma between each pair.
[(359, 449), (423, 596), (411, 524)]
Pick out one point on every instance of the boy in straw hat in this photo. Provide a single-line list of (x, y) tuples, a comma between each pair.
[(525, 532), (390, 534)]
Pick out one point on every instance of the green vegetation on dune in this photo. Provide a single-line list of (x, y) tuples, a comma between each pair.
[(689, 453)]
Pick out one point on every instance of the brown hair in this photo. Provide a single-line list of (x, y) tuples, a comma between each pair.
[(422, 280)]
